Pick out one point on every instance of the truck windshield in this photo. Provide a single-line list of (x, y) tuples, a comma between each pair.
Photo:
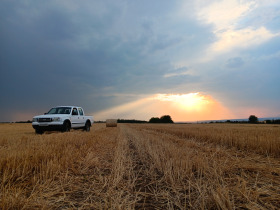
[(60, 110)]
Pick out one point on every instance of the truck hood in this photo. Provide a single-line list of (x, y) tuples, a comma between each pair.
[(50, 115)]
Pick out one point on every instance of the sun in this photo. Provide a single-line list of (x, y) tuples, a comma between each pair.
[(188, 102)]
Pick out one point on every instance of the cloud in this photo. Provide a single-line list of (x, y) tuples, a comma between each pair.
[(232, 31), (268, 57), (183, 71), (235, 62), (240, 39), (225, 14)]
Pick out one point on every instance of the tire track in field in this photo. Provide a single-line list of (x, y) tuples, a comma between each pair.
[(145, 185), (160, 182)]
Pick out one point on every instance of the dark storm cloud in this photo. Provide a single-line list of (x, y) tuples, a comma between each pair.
[(52, 54), (98, 54)]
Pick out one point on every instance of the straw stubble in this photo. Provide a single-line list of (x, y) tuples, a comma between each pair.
[(139, 166)]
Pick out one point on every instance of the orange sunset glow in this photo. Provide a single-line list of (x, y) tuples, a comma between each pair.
[(181, 107), (188, 102)]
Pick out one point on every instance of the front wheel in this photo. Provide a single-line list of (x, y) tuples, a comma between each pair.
[(66, 126), (39, 131), (87, 127)]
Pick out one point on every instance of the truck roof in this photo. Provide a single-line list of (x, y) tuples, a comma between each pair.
[(68, 106)]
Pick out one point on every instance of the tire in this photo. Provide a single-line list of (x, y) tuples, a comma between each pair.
[(39, 131), (66, 126), (87, 127)]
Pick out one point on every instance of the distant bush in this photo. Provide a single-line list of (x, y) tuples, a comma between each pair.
[(154, 120), (253, 119), (162, 119)]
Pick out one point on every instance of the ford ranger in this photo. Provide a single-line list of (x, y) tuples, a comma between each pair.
[(62, 118)]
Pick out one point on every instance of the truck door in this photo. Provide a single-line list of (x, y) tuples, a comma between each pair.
[(82, 119), (75, 118)]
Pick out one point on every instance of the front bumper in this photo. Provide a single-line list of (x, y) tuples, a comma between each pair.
[(47, 126)]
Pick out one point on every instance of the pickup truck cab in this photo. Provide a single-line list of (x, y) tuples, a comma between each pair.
[(62, 118)]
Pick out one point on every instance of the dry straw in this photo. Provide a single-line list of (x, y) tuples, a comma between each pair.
[(141, 166), (111, 123)]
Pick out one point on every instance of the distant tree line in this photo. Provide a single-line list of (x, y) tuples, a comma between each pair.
[(131, 121), (272, 121), (230, 121), (162, 119), (28, 121), (255, 120), (252, 120)]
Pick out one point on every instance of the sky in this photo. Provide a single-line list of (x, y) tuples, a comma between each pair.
[(192, 60)]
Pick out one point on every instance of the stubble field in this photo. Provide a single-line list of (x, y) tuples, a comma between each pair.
[(135, 166)]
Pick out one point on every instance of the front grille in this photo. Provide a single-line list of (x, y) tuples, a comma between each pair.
[(44, 119)]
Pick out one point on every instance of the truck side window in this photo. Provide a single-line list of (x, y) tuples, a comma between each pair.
[(81, 111), (74, 111)]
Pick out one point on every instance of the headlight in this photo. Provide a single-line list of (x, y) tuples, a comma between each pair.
[(56, 119), (35, 120)]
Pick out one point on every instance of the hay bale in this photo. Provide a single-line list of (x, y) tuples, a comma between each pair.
[(111, 123)]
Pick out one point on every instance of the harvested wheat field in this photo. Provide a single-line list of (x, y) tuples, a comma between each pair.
[(141, 166)]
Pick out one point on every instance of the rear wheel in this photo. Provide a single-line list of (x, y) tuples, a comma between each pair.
[(87, 127), (66, 126)]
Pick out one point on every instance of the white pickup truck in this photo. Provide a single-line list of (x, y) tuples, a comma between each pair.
[(62, 118)]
